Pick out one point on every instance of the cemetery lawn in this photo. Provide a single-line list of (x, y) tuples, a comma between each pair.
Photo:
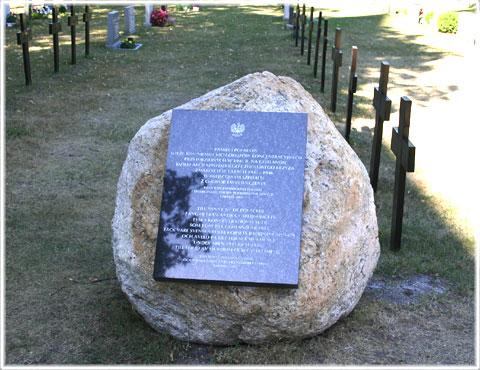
[(66, 139)]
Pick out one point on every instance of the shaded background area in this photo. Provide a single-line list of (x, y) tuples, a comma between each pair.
[(67, 137)]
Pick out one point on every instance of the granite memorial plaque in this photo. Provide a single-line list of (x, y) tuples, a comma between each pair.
[(113, 36), (129, 20), (232, 199)]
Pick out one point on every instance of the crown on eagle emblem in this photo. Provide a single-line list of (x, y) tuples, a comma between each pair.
[(237, 129)]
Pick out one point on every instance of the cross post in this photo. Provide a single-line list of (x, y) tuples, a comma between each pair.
[(310, 32), (404, 151), (337, 62), (23, 37), (324, 55), (317, 44), (53, 29), (297, 24), (352, 89), (72, 23), (304, 20), (87, 17), (383, 106)]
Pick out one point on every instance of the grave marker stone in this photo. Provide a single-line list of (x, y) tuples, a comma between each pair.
[(297, 24), (129, 20), (113, 37), (317, 44), (23, 37), (383, 106), (148, 14), (404, 151), (54, 28), (291, 16), (87, 17), (324, 55), (223, 215), (286, 11), (310, 32), (337, 57), (352, 89), (304, 21), (72, 23)]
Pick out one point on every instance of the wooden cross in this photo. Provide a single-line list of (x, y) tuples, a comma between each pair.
[(352, 89), (72, 22), (297, 24), (87, 17), (317, 44), (304, 20), (310, 31), (324, 55), (383, 106), (23, 37), (53, 29), (404, 151), (337, 63)]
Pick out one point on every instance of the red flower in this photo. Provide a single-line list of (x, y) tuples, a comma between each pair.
[(158, 17)]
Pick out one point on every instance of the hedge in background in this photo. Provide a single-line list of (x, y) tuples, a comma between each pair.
[(448, 22)]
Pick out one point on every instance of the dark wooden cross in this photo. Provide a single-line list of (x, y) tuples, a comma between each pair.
[(304, 20), (297, 24), (337, 57), (310, 32), (72, 23), (383, 106), (404, 151), (23, 37), (352, 89), (54, 28), (87, 17), (324, 54), (317, 44)]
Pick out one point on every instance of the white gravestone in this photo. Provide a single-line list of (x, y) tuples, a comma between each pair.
[(286, 10), (113, 38), (129, 19), (148, 14)]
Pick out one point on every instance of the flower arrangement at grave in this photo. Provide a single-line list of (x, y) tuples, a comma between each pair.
[(39, 12), (12, 20), (160, 18), (128, 43)]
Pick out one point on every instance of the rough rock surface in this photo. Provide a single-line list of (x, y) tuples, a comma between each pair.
[(339, 245)]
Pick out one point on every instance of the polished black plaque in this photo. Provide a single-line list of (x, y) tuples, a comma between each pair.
[(232, 198)]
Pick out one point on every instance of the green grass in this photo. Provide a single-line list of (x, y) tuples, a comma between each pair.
[(66, 140)]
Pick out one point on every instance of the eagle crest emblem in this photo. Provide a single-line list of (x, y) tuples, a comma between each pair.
[(237, 129)]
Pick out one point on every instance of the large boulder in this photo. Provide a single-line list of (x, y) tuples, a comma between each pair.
[(339, 243)]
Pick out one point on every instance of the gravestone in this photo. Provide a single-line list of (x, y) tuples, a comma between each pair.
[(23, 37), (324, 55), (54, 28), (113, 37), (304, 22), (129, 20), (87, 18), (383, 106), (72, 23), (148, 14), (338, 244), (352, 89), (310, 33), (223, 216), (404, 152), (317, 44), (337, 58), (297, 24)]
